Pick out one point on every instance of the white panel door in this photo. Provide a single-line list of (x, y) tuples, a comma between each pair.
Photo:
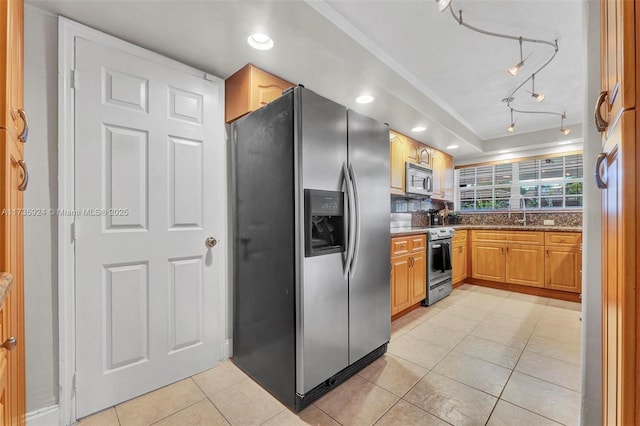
[(147, 152)]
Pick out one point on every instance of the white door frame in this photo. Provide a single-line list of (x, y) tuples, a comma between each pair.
[(67, 32)]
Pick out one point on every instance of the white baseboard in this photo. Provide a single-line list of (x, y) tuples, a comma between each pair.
[(48, 416), (228, 349)]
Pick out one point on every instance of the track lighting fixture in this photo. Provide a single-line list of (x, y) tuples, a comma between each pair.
[(562, 129), (537, 96), (512, 127), (447, 4), (443, 4), (514, 69)]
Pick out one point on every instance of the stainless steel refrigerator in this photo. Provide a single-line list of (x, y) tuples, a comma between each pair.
[(311, 268)]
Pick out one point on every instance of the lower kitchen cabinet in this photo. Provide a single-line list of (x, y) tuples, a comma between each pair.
[(563, 261), (408, 272), (459, 256), (508, 257), (488, 261), (523, 265)]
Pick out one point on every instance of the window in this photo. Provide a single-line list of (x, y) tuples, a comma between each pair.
[(548, 183)]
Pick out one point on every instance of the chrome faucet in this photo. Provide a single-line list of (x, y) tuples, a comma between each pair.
[(523, 221)]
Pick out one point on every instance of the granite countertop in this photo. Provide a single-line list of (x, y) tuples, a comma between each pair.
[(415, 230), (6, 281)]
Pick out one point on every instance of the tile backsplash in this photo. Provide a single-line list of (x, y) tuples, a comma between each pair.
[(533, 218)]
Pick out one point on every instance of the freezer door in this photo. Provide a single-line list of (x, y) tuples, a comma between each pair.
[(369, 287), (321, 292)]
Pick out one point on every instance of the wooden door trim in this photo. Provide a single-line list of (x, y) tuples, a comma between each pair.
[(68, 30)]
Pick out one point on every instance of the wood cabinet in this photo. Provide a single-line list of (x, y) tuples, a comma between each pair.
[(459, 256), (620, 232), (442, 175), (397, 155), (250, 88), (563, 261), (404, 149), (408, 272), (12, 179), (514, 257)]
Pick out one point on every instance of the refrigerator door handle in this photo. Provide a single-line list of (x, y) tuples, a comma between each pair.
[(356, 223), (350, 230)]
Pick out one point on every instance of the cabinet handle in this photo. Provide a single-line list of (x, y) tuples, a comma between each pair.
[(601, 123), (600, 182), (25, 179), (10, 344), (24, 135), (547, 250)]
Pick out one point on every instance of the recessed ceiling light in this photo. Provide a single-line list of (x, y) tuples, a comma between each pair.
[(364, 99), (419, 129), (503, 151), (453, 147), (260, 41), (565, 142)]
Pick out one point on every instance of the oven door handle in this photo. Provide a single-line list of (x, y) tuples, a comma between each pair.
[(436, 246)]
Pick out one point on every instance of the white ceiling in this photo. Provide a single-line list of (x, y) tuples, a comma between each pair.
[(419, 64)]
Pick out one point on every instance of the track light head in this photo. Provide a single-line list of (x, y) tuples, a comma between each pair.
[(562, 129), (512, 127), (514, 69), (538, 96), (443, 4)]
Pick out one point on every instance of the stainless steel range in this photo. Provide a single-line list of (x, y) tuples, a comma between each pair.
[(438, 264)]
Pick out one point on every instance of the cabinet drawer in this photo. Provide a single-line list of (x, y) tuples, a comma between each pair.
[(460, 235), (418, 243), (562, 238), (409, 244), (399, 246), (521, 237)]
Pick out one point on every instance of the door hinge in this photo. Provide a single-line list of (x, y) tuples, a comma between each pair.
[(73, 79), (73, 382)]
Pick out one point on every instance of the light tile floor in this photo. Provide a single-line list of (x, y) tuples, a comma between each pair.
[(479, 357)]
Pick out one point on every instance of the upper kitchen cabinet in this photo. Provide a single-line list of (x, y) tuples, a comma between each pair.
[(250, 88), (618, 63), (397, 154), (403, 150), (442, 175), (12, 116)]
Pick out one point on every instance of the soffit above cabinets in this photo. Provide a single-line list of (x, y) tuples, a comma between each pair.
[(419, 64)]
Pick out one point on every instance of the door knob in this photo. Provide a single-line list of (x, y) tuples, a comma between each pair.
[(10, 344), (210, 242)]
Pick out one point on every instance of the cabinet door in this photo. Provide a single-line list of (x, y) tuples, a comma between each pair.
[(11, 260), (618, 58), (447, 177), (438, 165), (524, 265), (562, 268), (11, 64), (4, 388), (397, 156), (488, 260), (400, 294), (459, 261), (418, 277)]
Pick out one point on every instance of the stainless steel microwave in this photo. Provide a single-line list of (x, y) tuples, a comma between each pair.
[(418, 179)]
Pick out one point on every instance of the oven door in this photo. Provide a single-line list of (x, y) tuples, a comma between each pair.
[(439, 260)]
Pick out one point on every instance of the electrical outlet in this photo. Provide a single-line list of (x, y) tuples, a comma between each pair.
[(549, 222)]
